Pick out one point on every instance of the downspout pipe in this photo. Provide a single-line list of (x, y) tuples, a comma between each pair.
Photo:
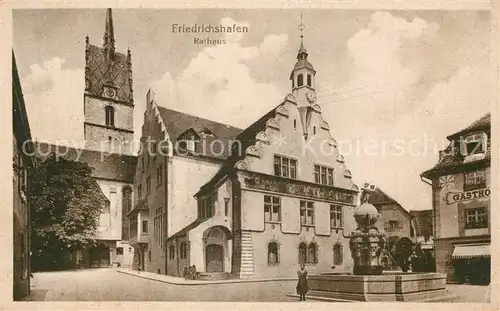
[(426, 180)]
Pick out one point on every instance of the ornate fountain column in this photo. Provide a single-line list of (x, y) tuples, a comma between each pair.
[(366, 242)]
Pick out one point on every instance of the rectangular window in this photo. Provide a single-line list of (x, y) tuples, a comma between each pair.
[(205, 207), (119, 250), (148, 184), (323, 175), (139, 191), (272, 208), (336, 217), (306, 213), (144, 226), (476, 218), (393, 225), (277, 166), (159, 175), (226, 207), (142, 163), (474, 180), (285, 167)]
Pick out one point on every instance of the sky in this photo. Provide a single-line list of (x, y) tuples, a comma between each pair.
[(392, 84)]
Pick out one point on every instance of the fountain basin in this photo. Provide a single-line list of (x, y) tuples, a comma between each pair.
[(385, 287)]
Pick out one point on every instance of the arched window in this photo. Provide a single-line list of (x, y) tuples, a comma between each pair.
[(311, 253), (110, 115), (300, 80), (338, 256), (183, 250), (302, 253), (171, 252), (309, 80), (272, 253)]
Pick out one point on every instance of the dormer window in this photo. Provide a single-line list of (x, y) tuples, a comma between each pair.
[(474, 144), (189, 141)]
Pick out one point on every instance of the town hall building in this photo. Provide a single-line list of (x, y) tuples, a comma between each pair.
[(243, 203)]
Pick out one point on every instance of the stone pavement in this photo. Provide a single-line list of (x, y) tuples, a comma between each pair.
[(181, 281), (110, 285), (113, 285)]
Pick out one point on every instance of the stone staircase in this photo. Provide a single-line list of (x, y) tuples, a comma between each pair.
[(246, 269)]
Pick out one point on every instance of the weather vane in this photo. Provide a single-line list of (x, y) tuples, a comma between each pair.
[(301, 27)]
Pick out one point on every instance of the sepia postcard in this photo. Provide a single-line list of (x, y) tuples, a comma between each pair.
[(250, 155)]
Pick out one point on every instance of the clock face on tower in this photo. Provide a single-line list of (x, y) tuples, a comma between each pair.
[(109, 92), (311, 96)]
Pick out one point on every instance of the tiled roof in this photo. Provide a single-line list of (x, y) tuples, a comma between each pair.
[(451, 157), (246, 139), (178, 122), (422, 221), (98, 73), (106, 165), (380, 197), (185, 230), (142, 205), (483, 123)]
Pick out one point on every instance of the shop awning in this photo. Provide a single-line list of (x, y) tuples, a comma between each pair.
[(471, 251)]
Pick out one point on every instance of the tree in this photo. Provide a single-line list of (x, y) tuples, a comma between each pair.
[(65, 206)]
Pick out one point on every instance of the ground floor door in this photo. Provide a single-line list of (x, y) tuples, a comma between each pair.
[(99, 256), (473, 270), (214, 258)]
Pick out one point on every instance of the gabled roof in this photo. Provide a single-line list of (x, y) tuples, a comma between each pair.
[(450, 158), (379, 198), (422, 221), (106, 165), (246, 139), (177, 123), (483, 123)]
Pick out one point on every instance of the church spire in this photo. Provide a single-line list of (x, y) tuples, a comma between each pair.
[(302, 54), (109, 36)]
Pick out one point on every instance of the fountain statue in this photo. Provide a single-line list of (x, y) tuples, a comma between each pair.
[(368, 281), (366, 242)]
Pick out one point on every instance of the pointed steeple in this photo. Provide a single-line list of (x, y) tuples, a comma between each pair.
[(303, 67), (109, 36)]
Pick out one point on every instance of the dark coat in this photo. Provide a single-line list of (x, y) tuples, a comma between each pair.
[(302, 286)]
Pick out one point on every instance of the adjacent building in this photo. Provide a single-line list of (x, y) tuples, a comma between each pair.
[(22, 162), (461, 191), (108, 130), (394, 218), (245, 203)]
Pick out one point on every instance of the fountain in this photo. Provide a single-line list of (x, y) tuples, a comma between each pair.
[(368, 281)]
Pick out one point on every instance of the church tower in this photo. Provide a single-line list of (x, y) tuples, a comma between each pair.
[(303, 84), (108, 96)]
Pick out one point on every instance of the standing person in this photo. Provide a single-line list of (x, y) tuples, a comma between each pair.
[(302, 286)]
